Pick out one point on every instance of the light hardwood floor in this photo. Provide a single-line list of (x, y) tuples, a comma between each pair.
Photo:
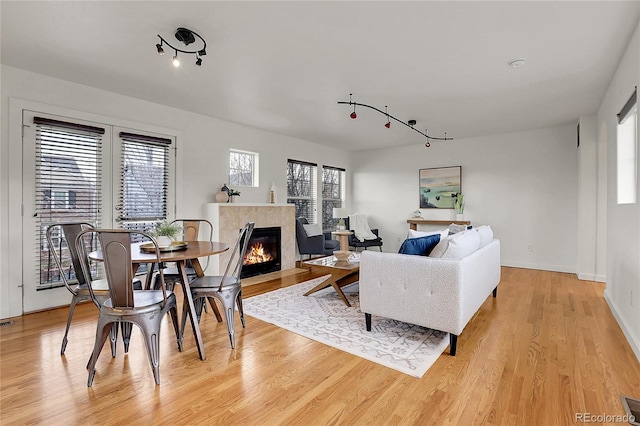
[(545, 349)]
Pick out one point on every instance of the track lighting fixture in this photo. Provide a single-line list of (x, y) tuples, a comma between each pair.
[(410, 124), (186, 37)]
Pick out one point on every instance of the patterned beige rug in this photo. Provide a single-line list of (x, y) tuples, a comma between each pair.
[(323, 317)]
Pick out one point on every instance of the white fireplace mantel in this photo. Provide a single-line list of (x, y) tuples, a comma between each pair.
[(229, 218)]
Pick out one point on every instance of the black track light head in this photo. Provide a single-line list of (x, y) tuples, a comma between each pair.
[(160, 49), (199, 61)]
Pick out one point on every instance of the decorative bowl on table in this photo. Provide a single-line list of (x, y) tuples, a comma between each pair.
[(174, 246), (342, 255)]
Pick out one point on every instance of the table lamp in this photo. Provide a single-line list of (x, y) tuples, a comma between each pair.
[(340, 213)]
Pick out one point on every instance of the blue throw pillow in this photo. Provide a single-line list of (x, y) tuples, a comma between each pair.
[(420, 246)]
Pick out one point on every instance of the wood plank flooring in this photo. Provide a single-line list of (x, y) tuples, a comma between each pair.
[(545, 349)]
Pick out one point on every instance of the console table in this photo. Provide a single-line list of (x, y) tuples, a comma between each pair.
[(413, 223)]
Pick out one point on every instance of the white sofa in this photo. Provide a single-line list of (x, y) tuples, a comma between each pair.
[(438, 293)]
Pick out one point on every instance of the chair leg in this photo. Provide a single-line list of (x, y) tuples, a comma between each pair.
[(113, 336), (367, 321), (228, 299), (151, 333), (72, 307), (240, 310), (126, 334), (102, 331), (199, 303)]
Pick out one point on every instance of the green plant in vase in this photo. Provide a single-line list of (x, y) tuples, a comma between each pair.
[(165, 232), (458, 204)]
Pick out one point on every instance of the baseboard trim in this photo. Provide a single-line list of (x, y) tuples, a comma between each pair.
[(552, 268), (587, 277), (633, 341)]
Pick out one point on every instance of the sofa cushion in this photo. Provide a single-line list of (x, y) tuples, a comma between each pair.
[(421, 246), (454, 228), (485, 233), (457, 246), (416, 234), (312, 229)]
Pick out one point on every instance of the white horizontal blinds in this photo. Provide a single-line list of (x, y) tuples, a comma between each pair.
[(68, 184), (301, 188), (333, 194), (144, 181)]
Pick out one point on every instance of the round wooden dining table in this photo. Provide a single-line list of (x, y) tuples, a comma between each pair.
[(192, 252)]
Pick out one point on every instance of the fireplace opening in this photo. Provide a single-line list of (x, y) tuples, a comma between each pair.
[(263, 252)]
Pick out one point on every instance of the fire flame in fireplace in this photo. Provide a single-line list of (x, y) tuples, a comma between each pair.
[(257, 254)]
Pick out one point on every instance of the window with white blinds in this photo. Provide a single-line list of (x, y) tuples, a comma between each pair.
[(144, 181), (67, 187), (333, 194), (301, 188)]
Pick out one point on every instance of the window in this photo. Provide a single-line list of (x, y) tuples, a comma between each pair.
[(332, 194), (243, 168), (67, 156), (144, 181), (627, 143), (301, 188)]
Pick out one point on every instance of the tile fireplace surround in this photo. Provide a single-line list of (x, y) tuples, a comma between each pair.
[(228, 218)]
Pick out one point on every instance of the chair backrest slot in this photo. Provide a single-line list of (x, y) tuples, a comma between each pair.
[(116, 252), (69, 231), (234, 266)]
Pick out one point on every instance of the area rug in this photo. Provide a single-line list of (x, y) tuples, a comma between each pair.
[(324, 317)]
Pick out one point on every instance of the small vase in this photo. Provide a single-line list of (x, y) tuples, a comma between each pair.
[(221, 197), (459, 217), (163, 241), (234, 198)]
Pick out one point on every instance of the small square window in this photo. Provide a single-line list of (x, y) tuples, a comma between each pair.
[(243, 168)]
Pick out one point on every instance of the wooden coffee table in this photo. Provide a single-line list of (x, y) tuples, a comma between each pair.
[(342, 273)]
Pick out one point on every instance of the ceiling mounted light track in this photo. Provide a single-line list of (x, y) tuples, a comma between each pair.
[(410, 124), (186, 37)]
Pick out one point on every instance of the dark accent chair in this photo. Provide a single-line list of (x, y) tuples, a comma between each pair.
[(356, 243), (317, 244)]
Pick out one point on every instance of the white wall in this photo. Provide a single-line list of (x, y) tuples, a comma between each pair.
[(202, 159), (587, 199), (623, 221), (523, 184)]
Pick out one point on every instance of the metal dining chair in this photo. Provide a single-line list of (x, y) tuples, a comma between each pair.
[(227, 288), (75, 279), (144, 308)]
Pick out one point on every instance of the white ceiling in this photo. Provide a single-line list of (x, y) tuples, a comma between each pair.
[(282, 66)]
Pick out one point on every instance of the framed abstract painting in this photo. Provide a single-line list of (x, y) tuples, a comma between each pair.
[(439, 187)]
